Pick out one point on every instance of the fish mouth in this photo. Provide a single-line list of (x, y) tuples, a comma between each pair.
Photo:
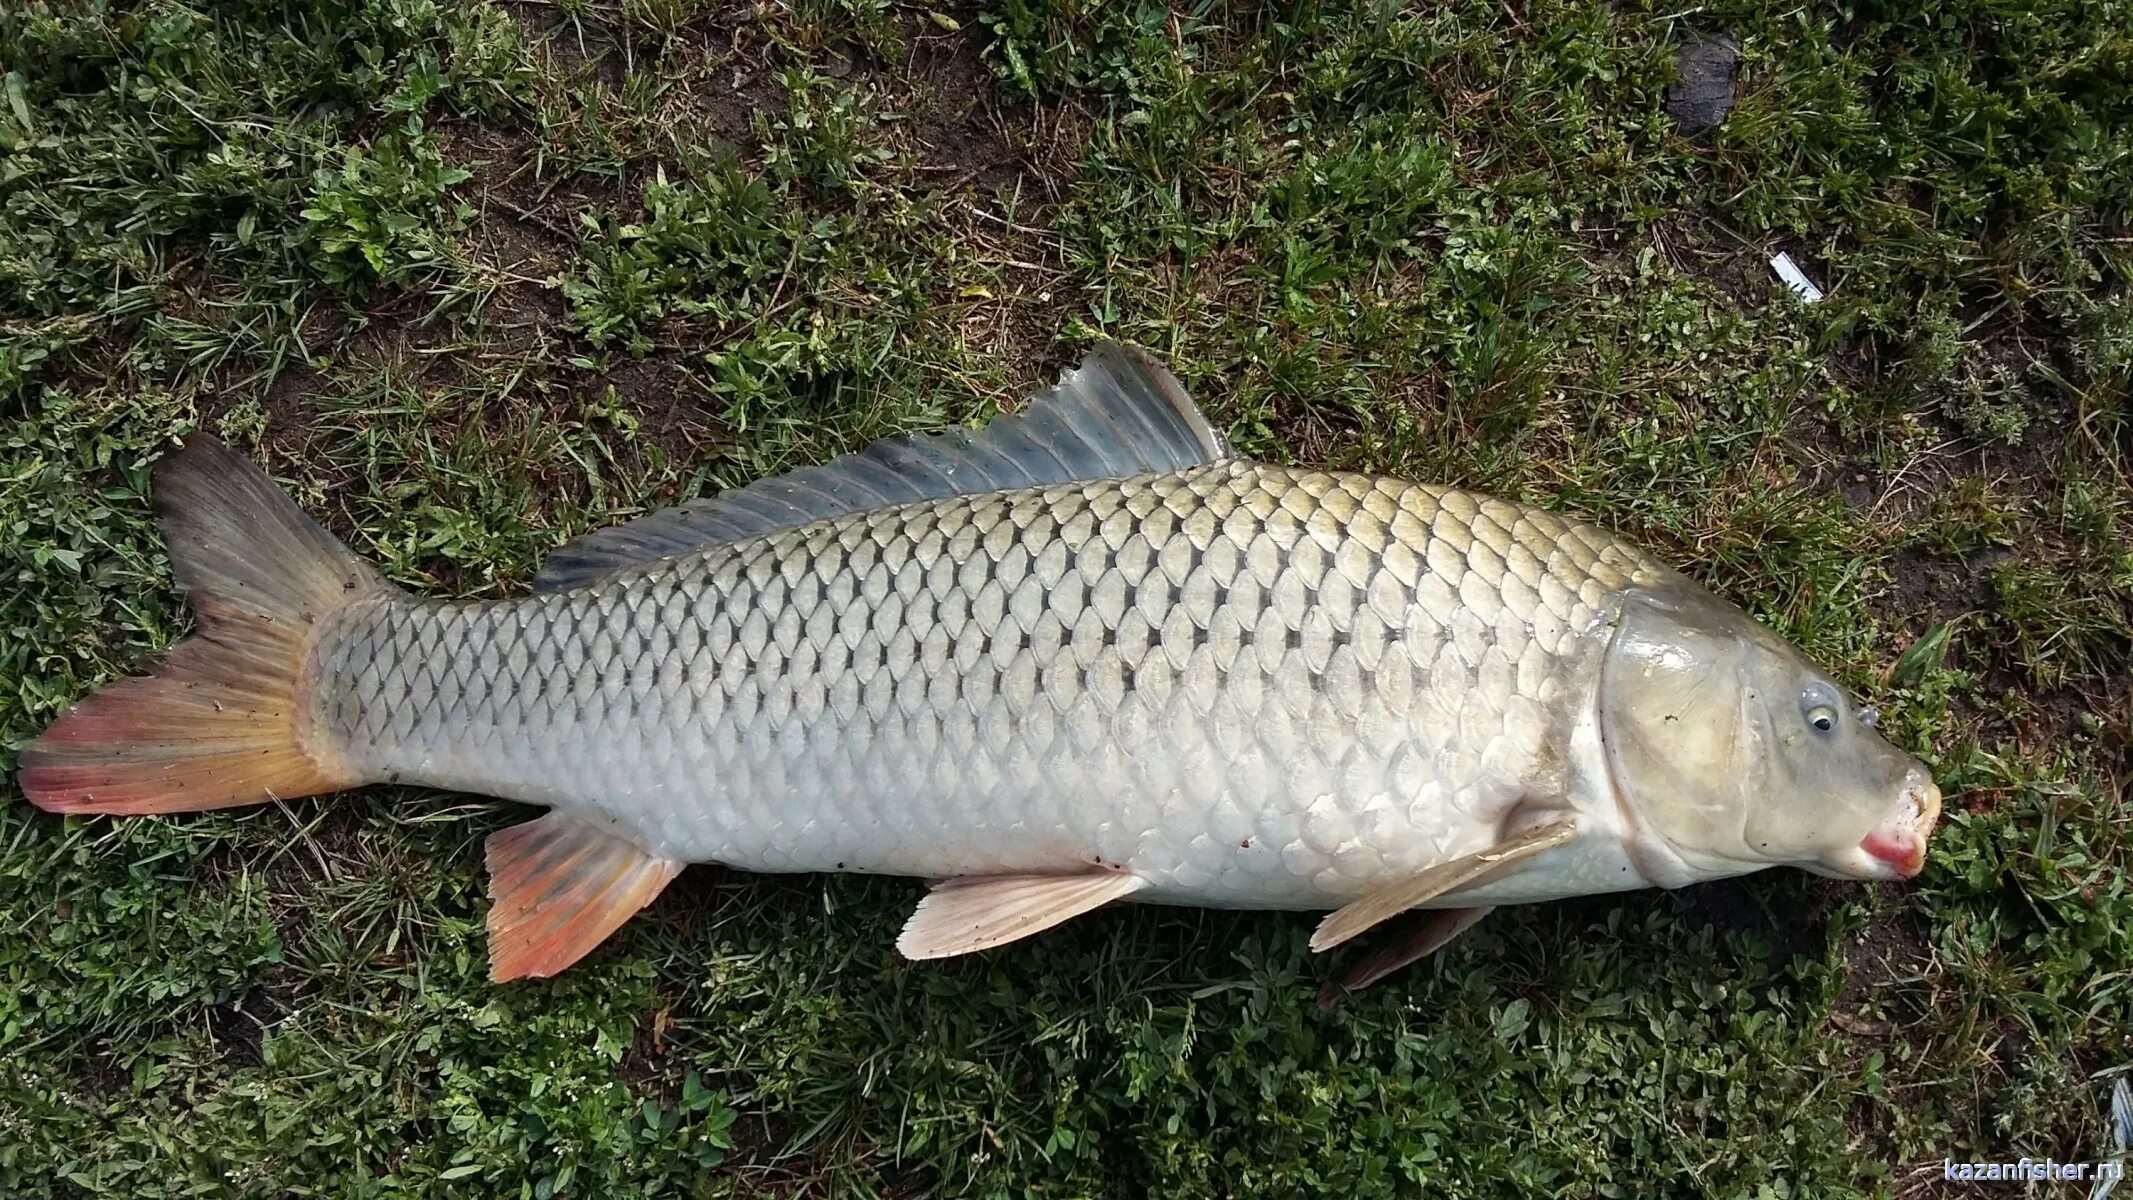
[(1898, 844)]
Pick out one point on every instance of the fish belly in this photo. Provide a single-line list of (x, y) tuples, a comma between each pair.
[(1250, 685)]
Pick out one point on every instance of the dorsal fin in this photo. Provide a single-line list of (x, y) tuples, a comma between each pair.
[(1117, 414)]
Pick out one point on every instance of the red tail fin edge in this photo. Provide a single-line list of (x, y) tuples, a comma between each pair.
[(224, 721)]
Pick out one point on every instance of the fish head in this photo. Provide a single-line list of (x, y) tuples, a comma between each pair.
[(1729, 751)]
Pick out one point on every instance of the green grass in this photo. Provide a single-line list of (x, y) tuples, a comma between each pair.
[(473, 277)]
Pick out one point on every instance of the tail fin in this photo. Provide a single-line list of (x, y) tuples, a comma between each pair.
[(225, 721)]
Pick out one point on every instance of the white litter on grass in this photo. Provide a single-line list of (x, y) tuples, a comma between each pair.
[(1795, 278)]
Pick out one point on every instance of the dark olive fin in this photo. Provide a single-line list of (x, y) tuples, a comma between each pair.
[(1117, 414), (557, 887), (1410, 937), (962, 916), (1394, 899), (223, 722)]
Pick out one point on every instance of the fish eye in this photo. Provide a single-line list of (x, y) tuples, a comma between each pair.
[(1819, 706)]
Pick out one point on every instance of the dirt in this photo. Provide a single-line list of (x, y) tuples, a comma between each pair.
[(238, 1029), (643, 1067), (999, 174), (525, 229), (955, 135), (1738, 271), (1747, 906), (101, 1077), (1886, 951)]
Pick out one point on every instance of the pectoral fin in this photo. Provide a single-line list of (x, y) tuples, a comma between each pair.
[(557, 887), (1407, 938), (978, 912), (1394, 899)]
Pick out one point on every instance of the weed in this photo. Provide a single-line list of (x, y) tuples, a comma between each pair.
[(381, 214)]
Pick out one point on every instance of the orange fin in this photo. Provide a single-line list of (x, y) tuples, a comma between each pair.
[(978, 912), (557, 887), (1420, 933), (225, 721), (1392, 900)]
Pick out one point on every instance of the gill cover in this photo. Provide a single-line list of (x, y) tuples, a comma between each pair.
[(1681, 735)]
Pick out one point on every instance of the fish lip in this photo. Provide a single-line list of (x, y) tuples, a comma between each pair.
[(1898, 843)]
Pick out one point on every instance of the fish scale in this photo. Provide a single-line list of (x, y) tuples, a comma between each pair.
[(1247, 684)]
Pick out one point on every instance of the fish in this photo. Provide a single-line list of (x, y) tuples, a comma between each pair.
[(1084, 654)]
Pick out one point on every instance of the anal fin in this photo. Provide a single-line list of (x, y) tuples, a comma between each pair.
[(557, 887), (1426, 885), (1410, 937), (978, 912)]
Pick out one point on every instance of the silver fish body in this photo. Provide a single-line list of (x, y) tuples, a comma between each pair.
[(1247, 684), (1083, 655)]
